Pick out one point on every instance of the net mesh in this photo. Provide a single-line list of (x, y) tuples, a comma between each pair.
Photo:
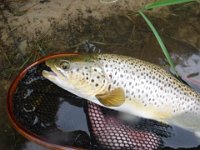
[(112, 133)]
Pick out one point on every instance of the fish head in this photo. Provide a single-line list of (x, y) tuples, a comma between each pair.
[(81, 76)]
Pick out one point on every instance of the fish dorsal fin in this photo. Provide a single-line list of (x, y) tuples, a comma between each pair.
[(113, 98)]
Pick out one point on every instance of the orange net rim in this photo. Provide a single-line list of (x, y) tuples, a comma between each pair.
[(19, 127)]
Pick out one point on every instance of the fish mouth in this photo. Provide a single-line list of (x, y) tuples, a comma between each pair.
[(49, 70), (52, 72), (48, 74)]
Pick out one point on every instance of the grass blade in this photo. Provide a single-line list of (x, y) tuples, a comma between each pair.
[(164, 49), (165, 3)]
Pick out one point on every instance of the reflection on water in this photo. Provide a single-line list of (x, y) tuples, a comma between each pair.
[(67, 122), (181, 138), (189, 70)]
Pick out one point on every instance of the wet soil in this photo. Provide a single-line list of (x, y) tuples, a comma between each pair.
[(32, 29)]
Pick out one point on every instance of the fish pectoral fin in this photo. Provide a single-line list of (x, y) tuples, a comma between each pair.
[(113, 98)]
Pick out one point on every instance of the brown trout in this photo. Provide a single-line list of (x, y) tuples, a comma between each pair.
[(129, 85)]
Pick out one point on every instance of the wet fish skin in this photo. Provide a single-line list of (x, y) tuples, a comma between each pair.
[(129, 85)]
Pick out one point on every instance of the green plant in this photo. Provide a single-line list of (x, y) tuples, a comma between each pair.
[(162, 3), (158, 4)]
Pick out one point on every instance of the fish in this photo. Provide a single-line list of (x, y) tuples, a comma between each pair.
[(129, 85)]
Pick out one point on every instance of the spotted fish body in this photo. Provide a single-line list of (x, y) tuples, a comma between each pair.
[(129, 85)]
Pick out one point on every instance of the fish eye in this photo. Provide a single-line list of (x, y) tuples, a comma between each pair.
[(65, 65)]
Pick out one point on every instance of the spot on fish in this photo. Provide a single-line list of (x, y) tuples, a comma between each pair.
[(109, 87), (114, 81)]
